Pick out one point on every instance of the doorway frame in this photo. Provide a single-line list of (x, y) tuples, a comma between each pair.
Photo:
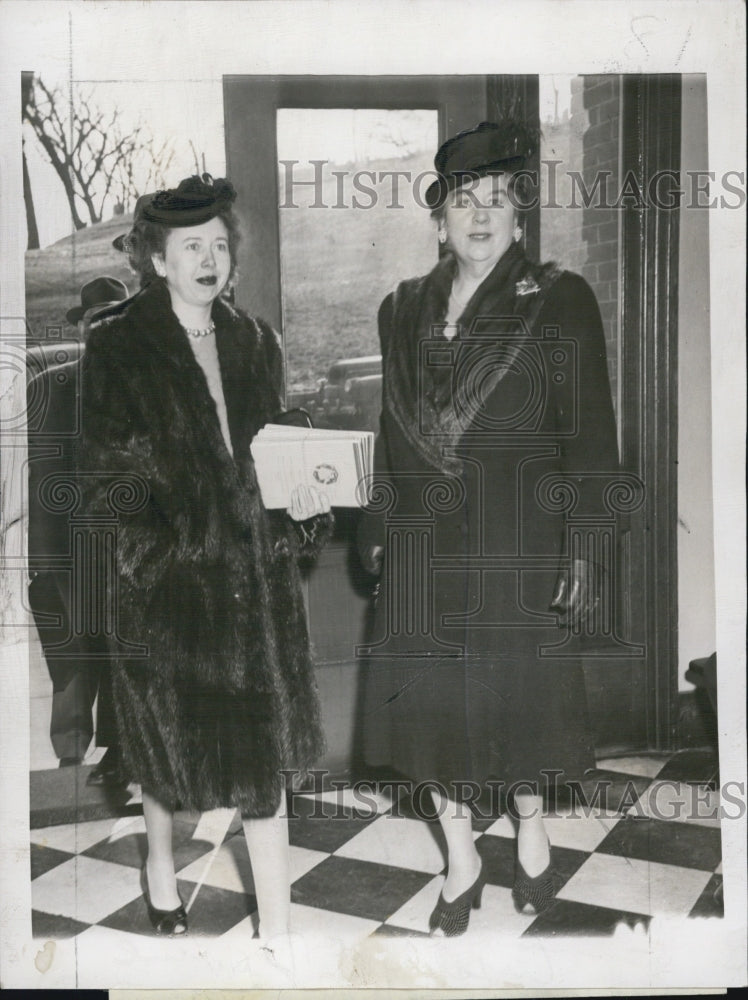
[(650, 116), (651, 126), (460, 102)]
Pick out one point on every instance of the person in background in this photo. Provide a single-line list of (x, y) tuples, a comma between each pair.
[(479, 410), (218, 698), (81, 673), (121, 242), (96, 297)]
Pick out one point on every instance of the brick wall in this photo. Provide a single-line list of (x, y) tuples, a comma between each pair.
[(598, 97), (582, 239)]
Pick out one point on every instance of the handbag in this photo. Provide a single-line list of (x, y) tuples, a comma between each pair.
[(298, 417)]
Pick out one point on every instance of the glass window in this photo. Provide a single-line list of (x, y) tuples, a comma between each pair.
[(351, 228)]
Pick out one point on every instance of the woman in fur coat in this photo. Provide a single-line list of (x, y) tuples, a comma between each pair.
[(495, 386), (212, 678)]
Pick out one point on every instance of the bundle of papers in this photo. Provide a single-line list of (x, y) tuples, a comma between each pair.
[(337, 463)]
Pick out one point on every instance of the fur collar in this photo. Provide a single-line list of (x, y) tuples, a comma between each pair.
[(435, 404), (248, 355)]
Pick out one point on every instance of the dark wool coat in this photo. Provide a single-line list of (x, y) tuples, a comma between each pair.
[(460, 684), (216, 693)]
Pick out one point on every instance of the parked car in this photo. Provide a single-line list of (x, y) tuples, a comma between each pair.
[(348, 397)]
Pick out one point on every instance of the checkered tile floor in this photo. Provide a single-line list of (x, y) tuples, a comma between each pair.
[(367, 871)]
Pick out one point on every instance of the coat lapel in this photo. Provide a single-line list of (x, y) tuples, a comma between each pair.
[(435, 405)]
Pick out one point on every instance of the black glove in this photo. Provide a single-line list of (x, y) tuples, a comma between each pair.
[(577, 593), (371, 557)]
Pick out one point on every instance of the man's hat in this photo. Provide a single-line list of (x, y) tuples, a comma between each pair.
[(194, 201), (99, 292), (491, 147), (121, 242)]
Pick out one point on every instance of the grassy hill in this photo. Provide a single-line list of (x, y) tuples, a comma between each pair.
[(55, 274), (337, 265)]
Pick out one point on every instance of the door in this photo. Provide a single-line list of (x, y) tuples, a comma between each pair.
[(334, 221), (324, 242), (581, 227), (251, 106)]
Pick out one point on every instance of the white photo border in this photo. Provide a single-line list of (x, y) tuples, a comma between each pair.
[(99, 39)]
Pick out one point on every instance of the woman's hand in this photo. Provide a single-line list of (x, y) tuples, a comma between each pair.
[(578, 593), (371, 558), (306, 502)]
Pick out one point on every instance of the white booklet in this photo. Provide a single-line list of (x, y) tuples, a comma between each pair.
[(337, 463)]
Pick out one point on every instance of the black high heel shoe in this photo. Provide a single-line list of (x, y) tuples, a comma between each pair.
[(453, 918), (538, 892), (171, 923)]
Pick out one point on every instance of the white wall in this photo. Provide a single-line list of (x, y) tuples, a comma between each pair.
[(696, 608)]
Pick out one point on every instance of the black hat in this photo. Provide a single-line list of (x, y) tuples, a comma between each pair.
[(490, 147), (121, 242), (194, 201), (99, 292)]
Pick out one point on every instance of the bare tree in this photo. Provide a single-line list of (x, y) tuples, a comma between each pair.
[(159, 160), (195, 157), (198, 159), (91, 152), (146, 170), (32, 230)]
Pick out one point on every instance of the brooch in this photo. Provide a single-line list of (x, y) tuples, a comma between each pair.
[(528, 286)]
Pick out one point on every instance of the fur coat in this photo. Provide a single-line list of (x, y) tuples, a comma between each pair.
[(212, 677)]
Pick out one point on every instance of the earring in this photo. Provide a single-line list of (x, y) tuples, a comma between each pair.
[(517, 234), (442, 236)]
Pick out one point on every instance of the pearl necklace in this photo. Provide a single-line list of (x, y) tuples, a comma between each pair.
[(191, 332), (458, 300), (456, 306)]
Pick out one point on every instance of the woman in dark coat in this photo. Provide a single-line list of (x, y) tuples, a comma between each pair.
[(495, 400), (212, 680)]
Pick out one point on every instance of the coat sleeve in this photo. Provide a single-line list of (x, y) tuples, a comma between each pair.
[(119, 474), (581, 401), (371, 525), (273, 359)]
